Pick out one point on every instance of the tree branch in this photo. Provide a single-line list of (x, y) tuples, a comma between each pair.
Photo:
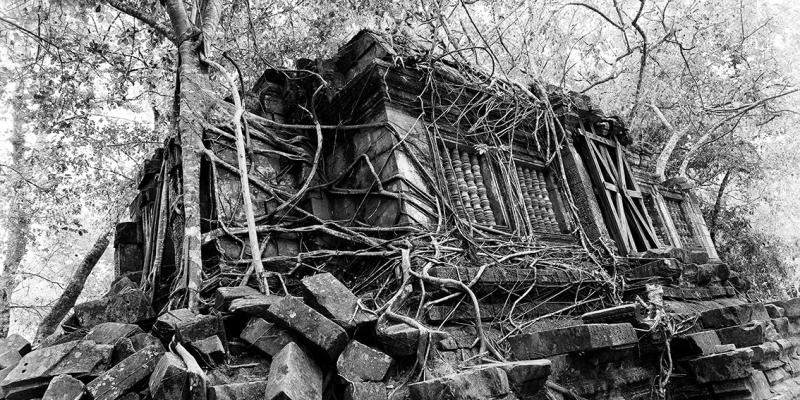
[(147, 19)]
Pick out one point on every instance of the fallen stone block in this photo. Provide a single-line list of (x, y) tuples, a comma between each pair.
[(210, 349), (733, 315), (129, 306), (256, 305), (700, 343), (91, 313), (365, 391), (526, 378), (64, 387), (61, 337), (398, 339), (187, 326), (238, 391), (265, 336), (142, 340), (723, 366), (312, 326), (361, 363), (334, 300), (480, 384), (530, 346), (753, 386), (119, 284), (123, 349), (223, 296), (293, 375), (781, 326), (9, 359), (111, 332), (81, 359), (125, 375), (15, 343), (169, 379), (791, 307), (751, 334)]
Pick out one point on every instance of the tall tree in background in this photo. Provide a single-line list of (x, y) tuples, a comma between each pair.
[(18, 221)]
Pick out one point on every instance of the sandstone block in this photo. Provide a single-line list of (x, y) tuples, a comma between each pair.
[(81, 359), (293, 375), (129, 306), (526, 378), (210, 349), (361, 363), (111, 332), (334, 300), (791, 307), (751, 334), (529, 346), (312, 326), (700, 343), (15, 343), (125, 375), (91, 313), (265, 336), (238, 391), (9, 359), (255, 305), (723, 366), (223, 296), (365, 391), (169, 378), (480, 384), (64, 387), (733, 315)]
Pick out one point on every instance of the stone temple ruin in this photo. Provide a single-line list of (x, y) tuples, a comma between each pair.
[(439, 234)]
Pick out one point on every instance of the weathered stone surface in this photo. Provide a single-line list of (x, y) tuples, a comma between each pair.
[(9, 358), (480, 384), (530, 346), (257, 305), (64, 387), (633, 313), (664, 268), (123, 376), (361, 363), (188, 326), (312, 326), (110, 332), (293, 375), (238, 391), (129, 306), (754, 386), (169, 379), (123, 349), (365, 391), (334, 300), (81, 359), (700, 343), (733, 315), (15, 343), (751, 334), (142, 340), (526, 378), (119, 284), (61, 337), (223, 296), (210, 349), (91, 313), (265, 336), (791, 307), (723, 366)]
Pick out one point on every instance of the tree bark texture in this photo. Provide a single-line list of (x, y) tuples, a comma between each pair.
[(195, 103), (17, 224), (718, 204), (73, 289), (674, 137)]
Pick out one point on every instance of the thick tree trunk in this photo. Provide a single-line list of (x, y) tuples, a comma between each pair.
[(17, 224), (73, 289), (718, 204), (195, 103)]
